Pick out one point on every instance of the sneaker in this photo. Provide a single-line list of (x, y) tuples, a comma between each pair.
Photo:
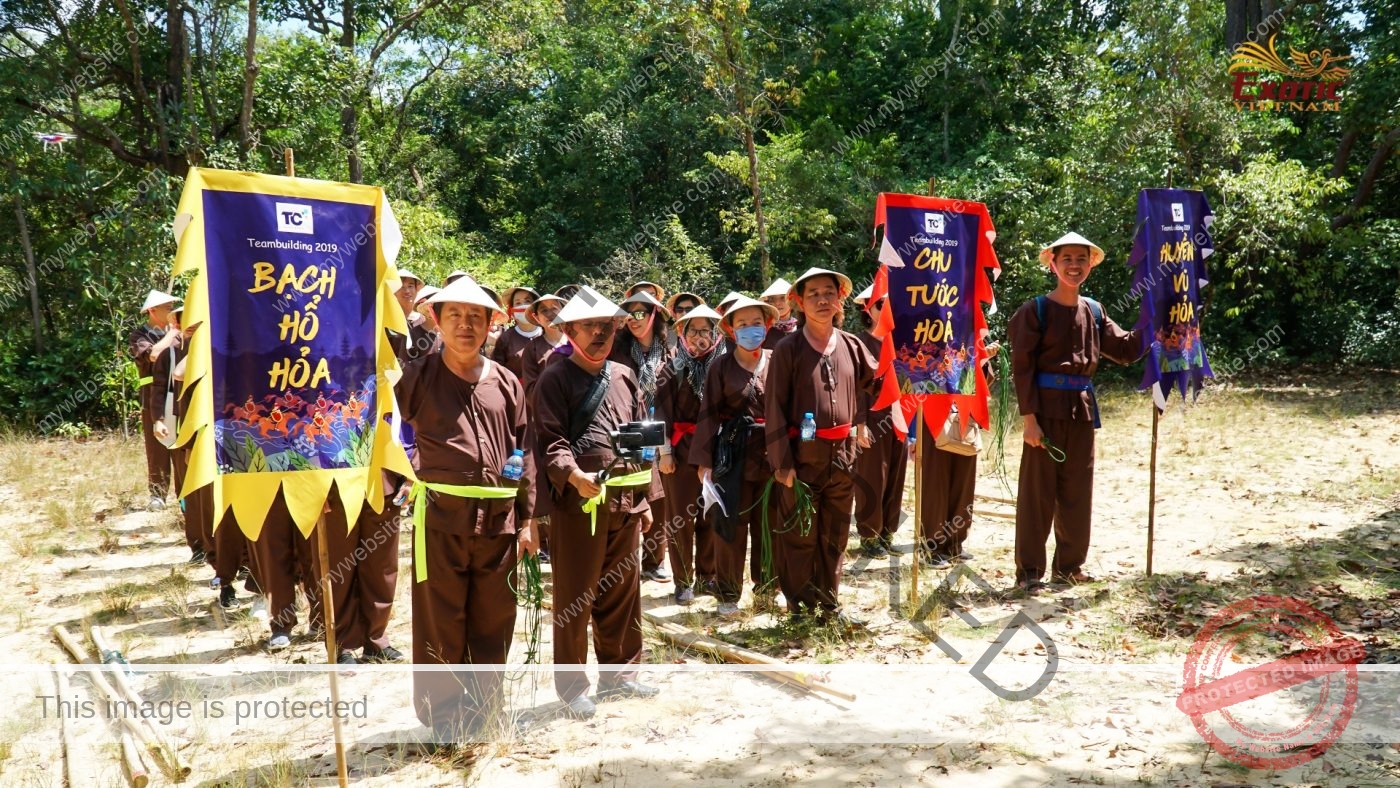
[(657, 575), (727, 609), (279, 641), (888, 541), (580, 708), (544, 556), (259, 608), (243, 573), (873, 548), (155, 504), (685, 596), (227, 598), (386, 654), (936, 561), (215, 582), (628, 689), (346, 657), (964, 556), (197, 558)]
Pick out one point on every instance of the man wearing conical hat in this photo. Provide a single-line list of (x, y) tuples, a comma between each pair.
[(678, 403), (776, 296), (1056, 341), (578, 401), (821, 370), (156, 347), (420, 338), (470, 519)]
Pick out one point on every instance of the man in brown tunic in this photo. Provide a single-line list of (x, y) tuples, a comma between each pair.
[(642, 348), (678, 403), (469, 417), (880, 469), (734, 388), (510, 346), (595, 564), (1056, 343), (420, 339), (821, 370), (155, 348)]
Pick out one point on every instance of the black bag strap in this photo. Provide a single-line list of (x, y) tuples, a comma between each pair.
[(591, 402)]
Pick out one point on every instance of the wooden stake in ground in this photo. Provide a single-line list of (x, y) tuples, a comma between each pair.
[(327, 601)]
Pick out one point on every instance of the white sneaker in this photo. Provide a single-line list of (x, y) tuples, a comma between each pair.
[(727, 609), (155, 504), (214, 582), (259, 608)]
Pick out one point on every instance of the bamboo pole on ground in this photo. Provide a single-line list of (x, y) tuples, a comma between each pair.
[(124, 688), (680, 636), (131, 760), (65, 730)]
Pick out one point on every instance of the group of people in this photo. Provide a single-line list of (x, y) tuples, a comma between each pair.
[(514, 403)]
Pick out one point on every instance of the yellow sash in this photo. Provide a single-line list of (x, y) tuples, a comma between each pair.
[(637, 479), (419, 497)]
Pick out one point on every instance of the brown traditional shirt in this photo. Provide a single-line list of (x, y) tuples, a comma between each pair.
[(833, 388), (510, 347), (732, 391), (1069, 343)]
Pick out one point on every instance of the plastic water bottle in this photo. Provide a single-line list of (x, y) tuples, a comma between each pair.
[(515, 466), (809, 427)]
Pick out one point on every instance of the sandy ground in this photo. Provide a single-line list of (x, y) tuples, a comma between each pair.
[(1290, 486)]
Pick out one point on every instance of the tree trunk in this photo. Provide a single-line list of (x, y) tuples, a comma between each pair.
[(31, 272), (765, 268), (947, 66), (1367, 184), (349, 112), (1339, 161), (250, 75)]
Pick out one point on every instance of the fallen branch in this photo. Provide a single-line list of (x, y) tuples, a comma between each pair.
[(678, 635), (65, 730)]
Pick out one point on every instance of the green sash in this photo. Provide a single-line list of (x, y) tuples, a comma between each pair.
[(419, 497), (637, 479)]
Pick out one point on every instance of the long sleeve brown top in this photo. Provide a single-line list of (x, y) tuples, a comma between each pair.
[(1069, 343), (832, 387)]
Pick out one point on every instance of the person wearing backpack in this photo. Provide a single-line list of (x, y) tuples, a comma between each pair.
[(1056, 343)]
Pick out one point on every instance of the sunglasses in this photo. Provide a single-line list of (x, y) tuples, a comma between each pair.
[(681, 309), (639, 314)]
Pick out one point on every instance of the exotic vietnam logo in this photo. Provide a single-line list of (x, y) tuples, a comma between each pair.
[(1310, 83)]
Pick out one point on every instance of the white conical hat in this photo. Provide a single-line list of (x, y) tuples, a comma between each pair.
[(156, 298), (864, 295), (1072, 239), (780, 287), (698, 312), (770, 312), (587, 304), (729, 299), (410, 275), (841, 279), (425, 292), (465, 291), (647, 299)]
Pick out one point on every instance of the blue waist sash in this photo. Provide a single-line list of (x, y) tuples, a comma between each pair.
[(1054, 380)]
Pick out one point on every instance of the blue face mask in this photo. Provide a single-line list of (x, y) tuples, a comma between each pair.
[(750, 337)]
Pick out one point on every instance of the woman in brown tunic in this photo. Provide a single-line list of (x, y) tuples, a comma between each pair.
[(468, 416), (821, 370), (542, 313), (776, 296), (642, 349), (734, 388), (678, 403), (510, 346), (1056, 343), (155, 348), (595, 556)]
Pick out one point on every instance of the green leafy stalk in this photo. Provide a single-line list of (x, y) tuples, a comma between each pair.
[(1003, 416), (527, 583)]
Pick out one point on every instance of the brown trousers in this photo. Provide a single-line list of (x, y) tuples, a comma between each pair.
[(655, 543), (194, 531), (809, 566), (231, 552), (949, 482), (596, 580), (158, 460), (1055, 494), (282, 559), (691, 540), (364, 569), (879, 483), (748, 535), (463, 614)]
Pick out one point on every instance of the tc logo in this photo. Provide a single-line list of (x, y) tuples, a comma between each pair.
[(1178, 214), (933, 223), (294, 218)]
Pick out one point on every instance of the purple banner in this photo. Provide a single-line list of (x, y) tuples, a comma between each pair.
[(1168, 259), (292, 300), (933, 298)]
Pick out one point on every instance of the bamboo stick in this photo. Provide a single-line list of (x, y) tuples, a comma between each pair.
[(123, 686), (680, 636), (65, 730), (131, 759), (994, 515), (170, 762), (994, 499)]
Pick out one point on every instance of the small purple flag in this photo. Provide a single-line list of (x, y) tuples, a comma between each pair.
[(1169, 269)]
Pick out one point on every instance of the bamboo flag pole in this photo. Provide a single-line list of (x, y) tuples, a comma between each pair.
[(919, 478), (327, 601), (1152, 467)]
